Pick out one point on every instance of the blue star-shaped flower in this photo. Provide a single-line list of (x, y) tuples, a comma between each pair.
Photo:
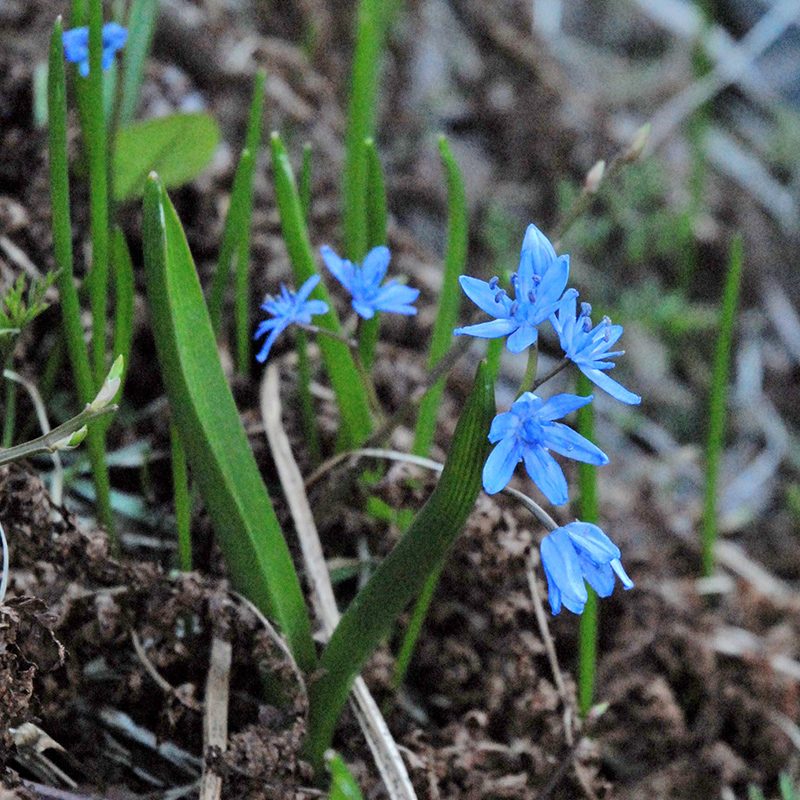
[(526, 433), (76, 45), (588, 347), (576, 553), (289, 308), (539, 284), (364, 283)]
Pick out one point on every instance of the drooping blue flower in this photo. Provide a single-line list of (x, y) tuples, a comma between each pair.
[(538, 284), (588, 347), (290, 307), (526, 433), (364, 283), (576, 553), (76, 45)]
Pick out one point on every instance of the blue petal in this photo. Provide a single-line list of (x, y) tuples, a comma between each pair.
[(546, 474), (560, 405), (396, 298), (375, 264), (114, 36), (305, 290), (275, 333), (107, 59), (484, 296), (76, 44), (315, 307), (340, 268), (553, 592), (538, 250), (522, 338), (503, 425), (364, 310), (593, 541), (609, 385), (553, 283), (500, 465), (616, 565), (569, 443), (488, 330), (266, 325), (83, 68), (600, 578), (561, 562)]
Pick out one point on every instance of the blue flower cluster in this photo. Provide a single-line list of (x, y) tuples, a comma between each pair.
[(363, 282), (579, 552), (76, 45)]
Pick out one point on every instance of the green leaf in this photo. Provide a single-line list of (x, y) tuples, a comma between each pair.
[(178, 147), (351, 394), (454, 263), (402, 576), (343, 784), (125, 291), (211, 432), (141, 23)]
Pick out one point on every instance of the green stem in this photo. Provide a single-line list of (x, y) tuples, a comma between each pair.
[(719, 391), (589, 512), (529, 378), (10, 414)]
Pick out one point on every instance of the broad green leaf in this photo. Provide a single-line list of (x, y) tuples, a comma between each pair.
[(454, 262), (404, 573), (350, 391), (177, 147), (211, 432)]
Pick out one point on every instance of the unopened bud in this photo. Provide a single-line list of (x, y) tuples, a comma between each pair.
[(72, 441), (594, 177), (108, 391), (638, 144)]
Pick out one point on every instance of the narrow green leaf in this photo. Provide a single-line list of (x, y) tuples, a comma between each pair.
[(370, 31), (454, 263), (125, 291), (717, 400), (343, 784), (211, 432), (238, 216), (305, 182), (178, 147), (375, 215), (402, 575), (141, 24), (351, 394), (96, 145), (62, 244)]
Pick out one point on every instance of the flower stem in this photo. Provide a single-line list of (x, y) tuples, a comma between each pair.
[(563, 364), (529, 378)]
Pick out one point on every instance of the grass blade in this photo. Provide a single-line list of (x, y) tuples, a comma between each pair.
[(305, 182), (141, 24), (350, 391), (125, 291), (370, 30), (402, 575), (211, 431), (719, 392), (343, 785), (455, 260), (238, 217), (62, 244), (375, 218)]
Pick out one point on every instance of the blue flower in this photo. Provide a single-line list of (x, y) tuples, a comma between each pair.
[(588, 347), (364, 283), (76, 45), (527, 432), (538, 284), (576, 553), (288, 308)]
